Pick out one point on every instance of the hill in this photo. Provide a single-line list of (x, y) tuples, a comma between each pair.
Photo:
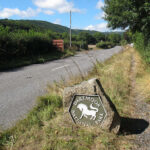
[(38, 25)]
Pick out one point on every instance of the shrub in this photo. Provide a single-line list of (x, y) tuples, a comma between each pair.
[(143, 46), (123, 42), (77, 45), (23, 43), (104, 45)]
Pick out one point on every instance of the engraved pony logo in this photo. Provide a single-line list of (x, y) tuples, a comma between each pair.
[(86, 112)]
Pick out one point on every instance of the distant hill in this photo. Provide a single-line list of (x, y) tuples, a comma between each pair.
[(39, 26)]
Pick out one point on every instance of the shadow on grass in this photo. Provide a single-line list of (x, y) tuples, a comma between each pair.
[(133, 126), (128, 125)]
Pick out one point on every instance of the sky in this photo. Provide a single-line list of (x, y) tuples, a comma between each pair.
[(86, 14)]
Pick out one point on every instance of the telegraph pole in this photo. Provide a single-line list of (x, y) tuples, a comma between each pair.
[(70, 29)]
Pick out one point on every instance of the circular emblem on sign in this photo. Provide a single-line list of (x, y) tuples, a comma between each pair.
[(87, 110)]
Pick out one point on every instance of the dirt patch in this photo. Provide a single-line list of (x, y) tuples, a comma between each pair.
[(92, 47)]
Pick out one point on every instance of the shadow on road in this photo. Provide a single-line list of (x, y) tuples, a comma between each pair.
[(133, 126)]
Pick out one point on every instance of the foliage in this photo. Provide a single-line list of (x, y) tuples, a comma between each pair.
[(99, 37), (23, 43), (105, 45), (123, 42), (135, 15), (128, 36), (114, 38), (142, 46), (21, 47), (76, 45), (38, 25), (84, 36), (128, 13), (30, 41)]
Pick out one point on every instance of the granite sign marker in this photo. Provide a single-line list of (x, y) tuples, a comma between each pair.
[(87, 104), (87, 110)]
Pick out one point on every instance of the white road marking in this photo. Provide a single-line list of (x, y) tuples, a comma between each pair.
[(59, 67)]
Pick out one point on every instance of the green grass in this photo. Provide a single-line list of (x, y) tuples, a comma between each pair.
[(44, 110)]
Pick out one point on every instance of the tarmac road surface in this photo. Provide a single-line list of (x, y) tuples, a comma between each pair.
[(20, 87)]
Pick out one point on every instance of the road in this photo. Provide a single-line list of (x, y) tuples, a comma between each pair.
[(19, 88)]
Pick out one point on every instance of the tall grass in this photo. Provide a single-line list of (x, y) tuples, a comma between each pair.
[(46, 109)]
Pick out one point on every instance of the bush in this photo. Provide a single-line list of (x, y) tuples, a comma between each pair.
[(76, 45), (23, 43), (105, 45), (123, 42), (143, 46)]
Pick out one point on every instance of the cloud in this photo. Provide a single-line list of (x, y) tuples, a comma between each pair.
[(102, 27), (48, 12), (8, 12), (100, 16), (57, 21), (100, 4), (62, 6)]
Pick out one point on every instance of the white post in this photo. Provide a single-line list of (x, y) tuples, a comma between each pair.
[(70, 28)]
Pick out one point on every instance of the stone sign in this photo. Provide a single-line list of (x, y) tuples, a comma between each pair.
[(83, 109), (87, 110)]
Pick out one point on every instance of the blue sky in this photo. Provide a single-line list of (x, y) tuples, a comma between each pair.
[(86, 14)]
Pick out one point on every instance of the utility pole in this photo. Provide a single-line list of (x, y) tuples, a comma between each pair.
[(70, 29)]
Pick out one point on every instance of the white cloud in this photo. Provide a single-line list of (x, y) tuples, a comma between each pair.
[(57, 21), (102, 27), (8, 12), (100, 4), (62, 6), (48, 12), (100, 15)]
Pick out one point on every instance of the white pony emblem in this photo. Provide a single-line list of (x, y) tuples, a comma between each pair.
[(86, 112)]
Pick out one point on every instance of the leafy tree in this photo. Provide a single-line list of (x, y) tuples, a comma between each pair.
[(132, 14), (128, 36), (99, 37), (114, 38), (65, 35), (84, 36)]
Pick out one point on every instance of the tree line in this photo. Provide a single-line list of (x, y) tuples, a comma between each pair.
[(16, 43)]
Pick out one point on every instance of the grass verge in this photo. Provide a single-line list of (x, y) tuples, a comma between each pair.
[(143, 78), (45, 129)]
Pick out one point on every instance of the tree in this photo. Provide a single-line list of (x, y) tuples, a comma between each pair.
[(128, 36), (84, 36), (132, 14), (65, 35), (99, 37), (114, 38)]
